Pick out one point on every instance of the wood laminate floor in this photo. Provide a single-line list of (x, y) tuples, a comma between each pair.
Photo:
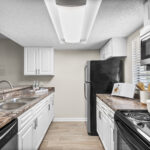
[(69, 136)]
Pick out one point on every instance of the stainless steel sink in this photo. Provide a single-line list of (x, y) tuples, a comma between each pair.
[(27, 99), (16, 103), (23, 99), (11, 105)]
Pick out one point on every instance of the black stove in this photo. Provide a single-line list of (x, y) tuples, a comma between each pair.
[(141, 121), (134, 127)]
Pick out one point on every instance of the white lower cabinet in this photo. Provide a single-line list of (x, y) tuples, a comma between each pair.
[(25, 138), (41, 125), (33, 124), (105, 125)]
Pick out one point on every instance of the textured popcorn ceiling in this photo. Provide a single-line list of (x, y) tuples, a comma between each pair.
[(27, 22)]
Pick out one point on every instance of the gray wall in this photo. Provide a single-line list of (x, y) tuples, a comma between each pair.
[(11, 61)]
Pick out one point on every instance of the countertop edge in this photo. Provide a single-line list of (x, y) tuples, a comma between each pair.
[(6, 118), (107, 101)]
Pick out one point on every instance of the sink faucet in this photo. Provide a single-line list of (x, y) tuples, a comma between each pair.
[(7, 82)]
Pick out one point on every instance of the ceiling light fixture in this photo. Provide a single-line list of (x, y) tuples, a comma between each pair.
[(73, 19)]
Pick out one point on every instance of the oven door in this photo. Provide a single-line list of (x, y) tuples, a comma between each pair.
[(145, 50), (127, 139)]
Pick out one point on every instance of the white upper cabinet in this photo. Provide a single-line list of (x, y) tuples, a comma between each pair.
[(115, 47), (46, 58), (38, 61), (147, 13), (30, 61)]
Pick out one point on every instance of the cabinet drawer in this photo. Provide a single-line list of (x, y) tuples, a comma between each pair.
[(106, 109), (40, 105), (24, 119), (102, 104)]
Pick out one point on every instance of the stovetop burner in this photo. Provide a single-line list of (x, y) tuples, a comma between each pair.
[(140, 119), (140, 116), (134, 124)]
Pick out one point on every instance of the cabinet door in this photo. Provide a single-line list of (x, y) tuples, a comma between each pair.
[(107, 133), (46, 61), (112, 145), (108, 50), (99, 122), (25, 138), (30, 59), (52, 107), (102, 54), (50, 112), (105, 136), (40, 127)]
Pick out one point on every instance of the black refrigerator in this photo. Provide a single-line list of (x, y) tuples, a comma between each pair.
[(99, 78)]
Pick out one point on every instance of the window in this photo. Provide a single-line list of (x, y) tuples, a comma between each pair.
[(139, 73), (136, 60)]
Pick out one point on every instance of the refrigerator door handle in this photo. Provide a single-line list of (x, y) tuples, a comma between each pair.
[(85, 73), (85, 91)]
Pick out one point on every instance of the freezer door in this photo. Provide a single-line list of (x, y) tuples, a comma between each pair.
[(87, 72), (111, 69)]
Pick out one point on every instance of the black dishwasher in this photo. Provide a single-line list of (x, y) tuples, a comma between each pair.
[(8, 136)]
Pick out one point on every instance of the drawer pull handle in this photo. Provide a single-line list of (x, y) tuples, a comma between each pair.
[(49, 107), (99, 115), (35, 123)]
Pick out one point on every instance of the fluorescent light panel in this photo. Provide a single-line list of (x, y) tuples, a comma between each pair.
[(71, 19), (91, 11), (73, 24)]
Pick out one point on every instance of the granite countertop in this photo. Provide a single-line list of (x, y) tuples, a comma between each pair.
[(8, 115), (116, 103)]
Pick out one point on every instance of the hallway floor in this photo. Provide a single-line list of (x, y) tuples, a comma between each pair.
[(69, 136)]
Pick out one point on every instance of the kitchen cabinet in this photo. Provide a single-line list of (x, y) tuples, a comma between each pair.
[(33, 124), (40, 127), (38, 61), (115, 47), (25, 138), (25, 131), (105, 125), (30, 61), (147, 13)]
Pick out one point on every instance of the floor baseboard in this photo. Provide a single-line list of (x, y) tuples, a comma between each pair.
[(69, 119)]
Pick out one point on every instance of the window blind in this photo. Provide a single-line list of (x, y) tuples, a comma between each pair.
[(136, 60), (139, 73)]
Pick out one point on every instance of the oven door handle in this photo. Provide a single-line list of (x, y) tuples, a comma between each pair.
[(130, 137)]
